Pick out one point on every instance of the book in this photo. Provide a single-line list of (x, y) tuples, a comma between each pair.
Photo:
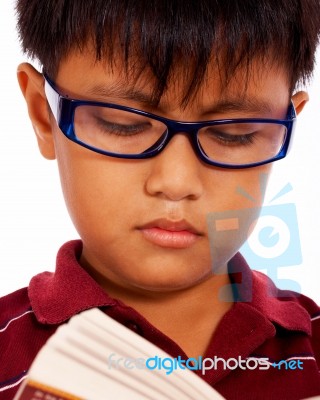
[(96, 358)]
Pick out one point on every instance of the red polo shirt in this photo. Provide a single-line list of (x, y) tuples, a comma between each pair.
[(264, 322)]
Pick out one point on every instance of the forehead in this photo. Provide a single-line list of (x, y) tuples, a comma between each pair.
[(255, 86)]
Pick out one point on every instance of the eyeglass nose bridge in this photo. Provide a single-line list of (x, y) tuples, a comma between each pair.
[(190, 129)]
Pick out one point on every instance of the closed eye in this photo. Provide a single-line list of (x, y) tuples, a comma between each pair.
[(113, 128), (232, 139)]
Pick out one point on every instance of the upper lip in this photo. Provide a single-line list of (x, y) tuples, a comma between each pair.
[(170, 225)]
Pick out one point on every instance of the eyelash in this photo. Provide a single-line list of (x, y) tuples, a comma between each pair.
[(121, 130), (234, 140), (132, 130)]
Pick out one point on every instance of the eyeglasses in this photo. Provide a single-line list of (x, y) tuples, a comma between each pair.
[(126, 132)]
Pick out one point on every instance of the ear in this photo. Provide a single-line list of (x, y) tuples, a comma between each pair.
[(299, 100), (32, 86)]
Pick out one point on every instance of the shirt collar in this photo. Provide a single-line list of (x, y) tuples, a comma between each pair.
[(56, 297), (281, 307)]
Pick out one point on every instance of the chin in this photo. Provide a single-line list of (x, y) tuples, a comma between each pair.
[(170, 282)]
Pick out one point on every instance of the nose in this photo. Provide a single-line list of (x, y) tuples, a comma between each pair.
[(176, 172)]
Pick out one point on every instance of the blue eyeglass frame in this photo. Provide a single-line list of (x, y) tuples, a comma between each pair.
[(63, 109)]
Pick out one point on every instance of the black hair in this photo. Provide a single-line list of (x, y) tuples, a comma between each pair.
[(170, 33)]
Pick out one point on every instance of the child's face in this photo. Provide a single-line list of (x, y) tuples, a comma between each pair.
[(123, 209)]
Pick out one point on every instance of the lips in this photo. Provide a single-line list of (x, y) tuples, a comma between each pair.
[(170, 234)]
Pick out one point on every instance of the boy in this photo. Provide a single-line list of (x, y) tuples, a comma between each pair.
[(118, 77)]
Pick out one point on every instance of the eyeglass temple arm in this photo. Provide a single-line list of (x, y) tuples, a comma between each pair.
[(52, 97)]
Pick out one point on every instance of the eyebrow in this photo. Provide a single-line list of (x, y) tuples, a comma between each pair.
[(123, 93), (226, 104), (243, 104)]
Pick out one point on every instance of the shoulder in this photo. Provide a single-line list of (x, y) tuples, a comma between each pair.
[(314, 312), (21, 337), (295, 316), (312, 308), (12, 306)]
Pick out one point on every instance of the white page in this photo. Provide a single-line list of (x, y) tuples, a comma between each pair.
[(192, 384)]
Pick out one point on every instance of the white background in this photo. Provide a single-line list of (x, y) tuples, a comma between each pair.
[(33, 219)]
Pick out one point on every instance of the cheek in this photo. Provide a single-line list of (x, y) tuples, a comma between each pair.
[(238, 189), (96, 188), (234, 214)]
